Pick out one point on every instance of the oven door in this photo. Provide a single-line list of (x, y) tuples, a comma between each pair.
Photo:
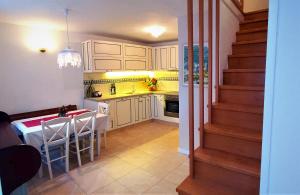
[(172, 107)]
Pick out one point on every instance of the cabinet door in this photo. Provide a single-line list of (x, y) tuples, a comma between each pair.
[(150, 59), (86, 56), (173, 57), (157, 59), (135, 64), (103, 64), (164, 58), (158, 106), (135, 51), (140, 108), (106, 48), (148, 107), (123, 112)]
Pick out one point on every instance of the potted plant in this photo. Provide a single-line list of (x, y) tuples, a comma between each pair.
[(152, 84)]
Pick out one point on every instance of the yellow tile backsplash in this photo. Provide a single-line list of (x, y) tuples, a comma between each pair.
[(139, 84)]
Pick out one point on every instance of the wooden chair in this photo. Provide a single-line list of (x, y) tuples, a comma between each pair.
[(103, 108), (84, 126), (56, 134)]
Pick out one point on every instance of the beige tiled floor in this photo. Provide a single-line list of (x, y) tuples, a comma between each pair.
[(141, 159)]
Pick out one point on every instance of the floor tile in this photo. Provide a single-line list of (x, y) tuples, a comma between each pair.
[(115, 188), (162, 188), (138, 181)]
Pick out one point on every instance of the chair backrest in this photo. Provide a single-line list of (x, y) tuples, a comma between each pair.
[(103, 108), (85, 123), (56, 131)]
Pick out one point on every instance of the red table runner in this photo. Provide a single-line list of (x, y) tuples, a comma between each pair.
[(37, 122)]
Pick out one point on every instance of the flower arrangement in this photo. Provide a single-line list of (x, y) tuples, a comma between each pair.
[(152, 84)]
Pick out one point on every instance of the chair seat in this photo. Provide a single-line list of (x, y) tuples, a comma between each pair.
[(51, 147)]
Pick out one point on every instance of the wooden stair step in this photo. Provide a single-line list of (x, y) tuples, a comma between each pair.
[(248, 47), (245, 70), (234, 140), (247, 61), (194, 186), (245, 95), (254, 30), (236, 132), (242, 88), (250, 42), (259, 14), (244, 116), (239, 108), (252, 34), (229, 161), (244, 77), (255, 23)]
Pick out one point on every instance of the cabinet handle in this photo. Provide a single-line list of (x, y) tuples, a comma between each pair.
[(112, 124)]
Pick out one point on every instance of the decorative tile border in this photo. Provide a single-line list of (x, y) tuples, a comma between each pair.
[(107, 81)]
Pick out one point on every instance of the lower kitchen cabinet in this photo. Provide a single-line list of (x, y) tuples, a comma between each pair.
[(124, 112), (131, 110), (158, 106), (142, 106)]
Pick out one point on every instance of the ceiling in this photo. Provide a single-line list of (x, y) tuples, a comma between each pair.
[(117, 18)]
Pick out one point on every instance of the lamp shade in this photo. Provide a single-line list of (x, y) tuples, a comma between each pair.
[(69, 57)]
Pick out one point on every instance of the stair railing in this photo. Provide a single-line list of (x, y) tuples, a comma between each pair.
[(239, 4), (191, 82), (210, 78)]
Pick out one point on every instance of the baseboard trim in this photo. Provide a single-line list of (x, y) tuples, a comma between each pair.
[(183, 151)]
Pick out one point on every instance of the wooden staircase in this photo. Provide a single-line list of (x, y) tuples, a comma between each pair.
[(229, 162)]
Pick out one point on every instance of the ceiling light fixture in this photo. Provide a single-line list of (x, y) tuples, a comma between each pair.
[(68, 56), (155, 31)]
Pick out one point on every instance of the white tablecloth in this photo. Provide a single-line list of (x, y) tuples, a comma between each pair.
[(33, 135)]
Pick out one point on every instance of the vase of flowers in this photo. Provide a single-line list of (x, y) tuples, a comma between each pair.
[(152, 84)]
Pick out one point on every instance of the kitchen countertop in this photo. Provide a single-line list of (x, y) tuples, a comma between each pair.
[(138, 93)]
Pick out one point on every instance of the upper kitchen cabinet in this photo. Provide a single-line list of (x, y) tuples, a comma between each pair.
[(173, 57), (102, 56), (105, 56), (134, 51), (166, 58), (135, 57), (105, 48)]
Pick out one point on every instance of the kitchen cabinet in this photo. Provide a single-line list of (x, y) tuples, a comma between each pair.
[(142, 106), (105, 64), (102, 56), (135, 64), (165, 58), (158, 106), (106, 56), (150, 58), (173, 57), (134, 51), (124, 112), (106, 48)]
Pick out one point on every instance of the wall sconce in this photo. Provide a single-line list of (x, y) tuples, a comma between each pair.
[(41, 40), (43, 50)]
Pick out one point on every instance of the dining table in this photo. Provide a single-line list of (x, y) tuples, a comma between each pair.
[(31, 128)]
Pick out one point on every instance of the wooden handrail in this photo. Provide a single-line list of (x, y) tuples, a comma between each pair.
[(191, 83), (239, 4), (210, 56), (201, 71), (217, 56)]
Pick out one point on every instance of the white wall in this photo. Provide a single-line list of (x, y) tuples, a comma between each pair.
[(254, 5), (230, 17), (30, 80), (281, 146)]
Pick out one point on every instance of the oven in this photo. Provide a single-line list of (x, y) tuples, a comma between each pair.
[(171, 106)]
